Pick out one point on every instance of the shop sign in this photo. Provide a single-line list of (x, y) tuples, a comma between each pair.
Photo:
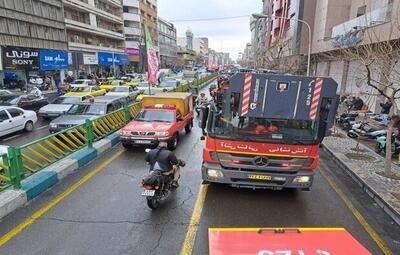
[(20, 58), (132, 52), (121, 59), (90, 59), (105, 58), (53, 60)]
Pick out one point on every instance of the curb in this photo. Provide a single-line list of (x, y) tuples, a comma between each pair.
[(34, 185), (387, 208)]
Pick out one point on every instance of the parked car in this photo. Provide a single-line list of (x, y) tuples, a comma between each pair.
[(83, 82), (37, 81), (13, 119), (27, 102), (86, 91), (111, 84), (123, 91), (59, 106), (78, 113), (169, 84)]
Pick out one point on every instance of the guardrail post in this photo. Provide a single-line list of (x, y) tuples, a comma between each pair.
[(15, 166), (127, 114), (89, 135)]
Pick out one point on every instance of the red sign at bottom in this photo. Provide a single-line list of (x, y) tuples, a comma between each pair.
[(302, 241)]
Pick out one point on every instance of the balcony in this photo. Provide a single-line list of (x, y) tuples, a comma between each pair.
[(373, 18), (131, 3), (131, 17), (132, 31), (73, 46), (82, 27), (76, 4)]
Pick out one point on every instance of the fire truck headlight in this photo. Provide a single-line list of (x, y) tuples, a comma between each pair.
[(215, 173), (302, 179)]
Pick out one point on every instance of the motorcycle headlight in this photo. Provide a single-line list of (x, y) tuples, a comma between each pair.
[(164, 133), (53, 125)]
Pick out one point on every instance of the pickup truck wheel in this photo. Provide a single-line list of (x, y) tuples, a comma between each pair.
[(188, 127), (127, 146), (28, 126), (173, 143)]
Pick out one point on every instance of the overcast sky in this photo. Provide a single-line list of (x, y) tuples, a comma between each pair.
[(224, 35)]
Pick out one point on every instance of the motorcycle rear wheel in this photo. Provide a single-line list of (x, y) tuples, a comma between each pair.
[(378, 148), (153, 203)]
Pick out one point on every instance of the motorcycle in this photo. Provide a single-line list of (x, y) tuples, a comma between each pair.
[(364, 129), (198, 107), (158, 187), (380, 145)]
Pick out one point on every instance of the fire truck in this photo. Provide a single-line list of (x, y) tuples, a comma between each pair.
[(263, 130)]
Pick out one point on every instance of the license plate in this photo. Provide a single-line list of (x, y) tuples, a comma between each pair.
[(260, 177), (148, 193), (142, 142)]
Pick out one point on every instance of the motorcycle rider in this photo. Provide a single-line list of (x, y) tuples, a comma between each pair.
[(163, 160), (202, 98)]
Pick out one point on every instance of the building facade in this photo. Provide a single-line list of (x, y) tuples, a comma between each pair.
[(95, 34), (32, 40), (342, 25), (168, 43), (133, 31)]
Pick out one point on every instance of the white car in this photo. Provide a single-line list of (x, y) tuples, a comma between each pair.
[(13, 119), (83, 82), (124, 91)]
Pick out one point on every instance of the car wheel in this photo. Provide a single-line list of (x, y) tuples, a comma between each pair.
[(127, 146), (173, 143), (188, 127), (28, 126)]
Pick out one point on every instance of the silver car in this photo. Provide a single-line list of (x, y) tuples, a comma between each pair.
[(59, 106)]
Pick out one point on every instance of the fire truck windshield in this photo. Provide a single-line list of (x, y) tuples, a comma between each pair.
[(266, 130)]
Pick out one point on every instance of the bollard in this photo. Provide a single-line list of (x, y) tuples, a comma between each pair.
[(14, 165), (89, 135)]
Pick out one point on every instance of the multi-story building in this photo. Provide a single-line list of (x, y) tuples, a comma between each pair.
[(341, 25), (133, 31), (95, 32), (187, 41), (167, 43), (286, 38), (32, 40)]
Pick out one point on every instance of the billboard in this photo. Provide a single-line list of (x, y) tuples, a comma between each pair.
[(17, 58)]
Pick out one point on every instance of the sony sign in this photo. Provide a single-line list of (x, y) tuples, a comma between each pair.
[(20, 58)]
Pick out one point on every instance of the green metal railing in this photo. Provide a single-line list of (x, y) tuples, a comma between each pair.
[(21, 162)]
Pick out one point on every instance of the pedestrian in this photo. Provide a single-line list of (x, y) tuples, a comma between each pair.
[(385, 112)]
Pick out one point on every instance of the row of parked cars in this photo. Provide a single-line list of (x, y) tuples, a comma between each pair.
[(86, 100)]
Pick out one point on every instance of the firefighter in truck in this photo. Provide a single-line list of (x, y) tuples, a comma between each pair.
[(264, 130)]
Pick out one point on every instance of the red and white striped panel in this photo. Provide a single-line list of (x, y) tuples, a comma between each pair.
[(246, 93), (315, 98)]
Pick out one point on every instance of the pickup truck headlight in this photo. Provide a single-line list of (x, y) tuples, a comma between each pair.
[(124, 133), (53, 125), (164, 133)]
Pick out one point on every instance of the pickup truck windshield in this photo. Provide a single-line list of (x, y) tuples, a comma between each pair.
[(156, 116), (266, 130), (167, 84), (87, 109)]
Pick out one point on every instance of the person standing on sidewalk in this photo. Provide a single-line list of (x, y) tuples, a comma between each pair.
[(385, 111)]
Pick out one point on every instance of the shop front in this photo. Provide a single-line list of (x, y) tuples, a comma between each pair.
[(53, 64), (112, 64), (134, 58)]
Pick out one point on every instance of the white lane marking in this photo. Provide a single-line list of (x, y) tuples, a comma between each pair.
[(10, 138), (42, 127)]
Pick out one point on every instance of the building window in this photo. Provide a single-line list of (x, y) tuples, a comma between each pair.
[(126, 9), (361, 10)]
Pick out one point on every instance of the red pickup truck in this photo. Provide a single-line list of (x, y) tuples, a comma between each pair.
[(162, 118)]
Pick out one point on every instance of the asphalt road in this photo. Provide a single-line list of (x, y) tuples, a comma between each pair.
[(107, 215)]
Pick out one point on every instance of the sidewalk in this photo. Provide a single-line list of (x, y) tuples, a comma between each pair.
[(362, 167)]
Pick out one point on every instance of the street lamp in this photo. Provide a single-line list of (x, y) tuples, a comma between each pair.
[(262, 16)]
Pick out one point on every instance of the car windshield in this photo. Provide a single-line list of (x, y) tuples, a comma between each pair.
[(143, 84), (120, 89), (170, 84), (116, 83), (81, 89), (266, 130), (87, 109), (156, 115), (66, 100)]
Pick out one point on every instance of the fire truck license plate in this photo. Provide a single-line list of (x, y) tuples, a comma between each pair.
[(260, 177)]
